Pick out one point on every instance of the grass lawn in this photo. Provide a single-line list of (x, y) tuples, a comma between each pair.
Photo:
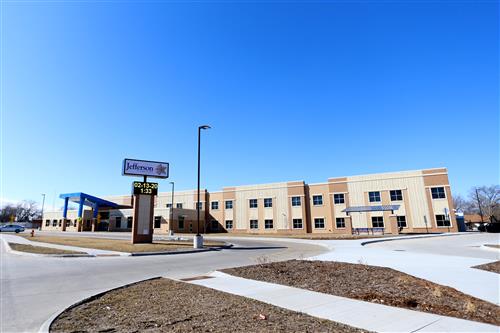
[(120, 245), (373, 284), (40, 249), (163, 305)]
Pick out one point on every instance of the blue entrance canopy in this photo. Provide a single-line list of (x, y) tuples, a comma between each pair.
[(364, 209), (88, 200)]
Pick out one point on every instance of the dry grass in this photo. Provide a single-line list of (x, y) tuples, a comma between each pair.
[(490, 267), (373, 284), (163, 305), (40, 249), (118, 244)]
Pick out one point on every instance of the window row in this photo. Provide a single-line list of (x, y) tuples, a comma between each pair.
[(338, 198)]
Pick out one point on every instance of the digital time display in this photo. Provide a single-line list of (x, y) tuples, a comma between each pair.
[(145, 188)]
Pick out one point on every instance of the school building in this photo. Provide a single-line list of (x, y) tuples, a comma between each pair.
[(398, 202)]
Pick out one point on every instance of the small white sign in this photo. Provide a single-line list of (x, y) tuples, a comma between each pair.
[(145, 168)]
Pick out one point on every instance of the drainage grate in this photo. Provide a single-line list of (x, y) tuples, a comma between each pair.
[(201, 277)]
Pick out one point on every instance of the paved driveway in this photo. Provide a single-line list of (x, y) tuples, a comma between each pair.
[(463, 245), (34, 288)]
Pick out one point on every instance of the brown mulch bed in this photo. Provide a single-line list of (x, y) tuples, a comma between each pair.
[(40, 249), (373, 284), (163, 305), (491, 267)]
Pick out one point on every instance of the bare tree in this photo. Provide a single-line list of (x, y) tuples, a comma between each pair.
[(8, 213), (487, 199), (463, 205), (27, 210)]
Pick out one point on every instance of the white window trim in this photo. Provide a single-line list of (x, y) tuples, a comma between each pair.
[(218, 207), (314, 223), (301, 228), (322, 199), (336, 223), (253, 207), (333, 198)]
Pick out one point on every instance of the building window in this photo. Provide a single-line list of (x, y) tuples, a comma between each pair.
[(254, 224), (340, 222), (253, 203), (47, 223), (441, 221), (60, 222), (169, 205), (229, 204), (401, 221), (319, 223), (438, 193), (297, 223), (54, 223), (199, 205), (129, 222), (179, 205), (157, 221), (396, 195), (377, 221), (118, 222), (215, 205), (268, 224), (296, 201), (317, 200), (75, 222), (67, 223), (180, 222), (268, 202), (338, 198), (229, 224), (374, 196)]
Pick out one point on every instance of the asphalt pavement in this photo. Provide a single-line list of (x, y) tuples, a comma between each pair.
[(34, 288)]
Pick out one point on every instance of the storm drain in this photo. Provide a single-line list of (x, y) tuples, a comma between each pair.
[(194, 278)]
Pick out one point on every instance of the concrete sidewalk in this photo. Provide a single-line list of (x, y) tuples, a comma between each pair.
[(369, 316), (452, 271), (92, 252)]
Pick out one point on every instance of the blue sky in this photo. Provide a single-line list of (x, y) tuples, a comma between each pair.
[(293, 91)]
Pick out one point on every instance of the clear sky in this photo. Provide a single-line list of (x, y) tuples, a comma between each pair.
[(294, 90)]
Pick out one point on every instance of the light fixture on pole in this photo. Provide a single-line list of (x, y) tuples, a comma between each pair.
[(172, 209), (198, 239)]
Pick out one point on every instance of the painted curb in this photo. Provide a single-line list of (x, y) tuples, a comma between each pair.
[(45, 327)]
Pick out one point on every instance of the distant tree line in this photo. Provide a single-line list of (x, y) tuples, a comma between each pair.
[(483, 200), (23, 211)]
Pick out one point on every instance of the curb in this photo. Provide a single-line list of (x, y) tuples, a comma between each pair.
[(410, 237), (215, 248), (45, 327), (11, 251)]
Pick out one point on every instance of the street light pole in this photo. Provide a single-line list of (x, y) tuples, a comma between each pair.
[(43, 204), (198, 239), (172, 208)]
